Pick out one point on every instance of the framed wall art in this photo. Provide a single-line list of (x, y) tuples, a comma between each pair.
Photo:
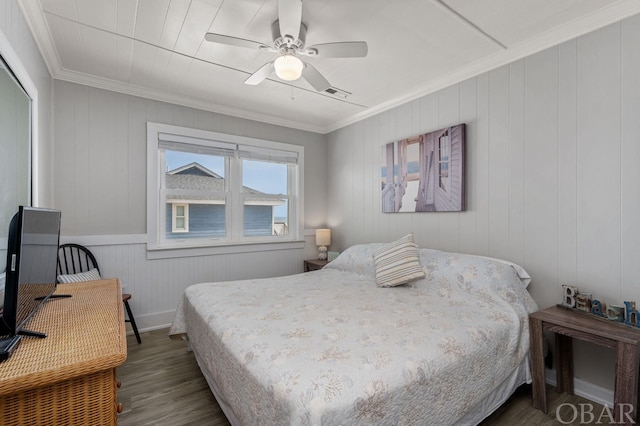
[(425, 173)]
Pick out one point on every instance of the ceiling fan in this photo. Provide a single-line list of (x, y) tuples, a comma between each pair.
[(289, 36)]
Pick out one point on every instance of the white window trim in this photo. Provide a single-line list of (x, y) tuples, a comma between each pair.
[(174, 217), (154, 195)]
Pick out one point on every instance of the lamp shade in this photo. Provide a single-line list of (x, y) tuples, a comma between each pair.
[(323, 237), (288, 67)]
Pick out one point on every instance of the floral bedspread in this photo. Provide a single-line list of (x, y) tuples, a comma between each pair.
[(331, 348)]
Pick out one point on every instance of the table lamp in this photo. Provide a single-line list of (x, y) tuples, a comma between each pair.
[(323, 239)]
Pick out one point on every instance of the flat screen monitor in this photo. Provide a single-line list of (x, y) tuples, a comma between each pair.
[(32, 253)]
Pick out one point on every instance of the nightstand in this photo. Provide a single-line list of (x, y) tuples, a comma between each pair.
[(314, 264), (568, 324)]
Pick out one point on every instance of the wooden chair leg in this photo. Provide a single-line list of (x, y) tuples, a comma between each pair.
[(132, 321)]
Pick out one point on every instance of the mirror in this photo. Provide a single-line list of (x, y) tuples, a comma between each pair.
[(15, 152)]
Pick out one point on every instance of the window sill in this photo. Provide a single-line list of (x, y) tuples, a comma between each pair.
[(174, 252)]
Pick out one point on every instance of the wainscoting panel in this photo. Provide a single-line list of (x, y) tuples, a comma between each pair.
[(541, 172), (448, 114), (630, 154), (598, 157)]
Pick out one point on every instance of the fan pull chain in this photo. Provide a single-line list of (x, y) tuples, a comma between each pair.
[(292, 97)]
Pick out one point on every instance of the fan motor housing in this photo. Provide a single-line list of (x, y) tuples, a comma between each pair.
[(284, 43)]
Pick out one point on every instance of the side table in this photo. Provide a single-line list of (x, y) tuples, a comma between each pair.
[(568, 324), (314, 264)]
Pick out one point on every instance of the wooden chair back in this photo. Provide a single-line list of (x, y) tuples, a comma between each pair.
[(74, 258)]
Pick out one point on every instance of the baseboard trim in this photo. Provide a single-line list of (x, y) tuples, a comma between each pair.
[(592, 392), (155, 321), (143, 330)]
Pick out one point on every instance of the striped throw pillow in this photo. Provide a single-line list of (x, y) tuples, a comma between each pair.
[(397, 263), (92, 275)]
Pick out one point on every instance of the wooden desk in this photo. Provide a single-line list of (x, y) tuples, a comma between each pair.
[(568, 324), (69, 377)]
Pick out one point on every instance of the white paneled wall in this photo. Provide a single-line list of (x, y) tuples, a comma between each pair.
[(100, 187), (553, 183), (100, 157)]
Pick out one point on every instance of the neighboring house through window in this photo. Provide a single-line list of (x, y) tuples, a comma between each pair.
[(208, 189), (208, 211)]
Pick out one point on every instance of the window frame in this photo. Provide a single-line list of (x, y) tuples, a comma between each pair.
[(156, 193), (174, 218)]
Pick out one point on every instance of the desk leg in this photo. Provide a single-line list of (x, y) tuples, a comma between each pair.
[(564, 363), (626, 390), (537, 365)]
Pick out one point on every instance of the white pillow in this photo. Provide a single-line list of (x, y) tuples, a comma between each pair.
[(357, 258), (397, 263), (92, 275)]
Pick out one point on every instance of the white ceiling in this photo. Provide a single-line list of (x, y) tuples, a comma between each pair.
[(156, 49)]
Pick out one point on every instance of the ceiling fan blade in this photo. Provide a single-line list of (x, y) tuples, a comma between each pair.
[(290, 18), (235, 41), (314, 78), (259, 76), (346, 49)]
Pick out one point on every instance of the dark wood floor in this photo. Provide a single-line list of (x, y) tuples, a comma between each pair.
[(162, 385)]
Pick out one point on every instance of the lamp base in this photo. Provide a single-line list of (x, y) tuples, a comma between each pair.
[(322, 252)]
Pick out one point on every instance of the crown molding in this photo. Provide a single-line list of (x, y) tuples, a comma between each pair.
[(39, 28), (607, 15), (579, 27), (159, 95), (40, 31)]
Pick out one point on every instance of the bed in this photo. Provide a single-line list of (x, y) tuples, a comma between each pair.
[(330, 347)]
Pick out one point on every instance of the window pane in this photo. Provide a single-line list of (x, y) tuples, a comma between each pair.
[(264, 177), (201, 164), (265, 217), (202, 206), (281, 219)]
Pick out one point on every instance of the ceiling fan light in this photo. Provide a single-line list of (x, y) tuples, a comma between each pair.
[(288, 67)]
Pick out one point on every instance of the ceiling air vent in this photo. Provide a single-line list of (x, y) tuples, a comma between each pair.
[(337, 92)]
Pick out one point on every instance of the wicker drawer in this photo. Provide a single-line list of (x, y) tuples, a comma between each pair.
[(85, 400)]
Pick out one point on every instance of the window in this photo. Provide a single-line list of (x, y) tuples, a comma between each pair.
[(444, 160), (211, 189), (179, 217)]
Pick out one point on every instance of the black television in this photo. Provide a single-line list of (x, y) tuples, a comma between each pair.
[(30, 276)]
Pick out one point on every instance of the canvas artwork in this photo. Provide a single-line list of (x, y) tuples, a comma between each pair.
[(424, 173)]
